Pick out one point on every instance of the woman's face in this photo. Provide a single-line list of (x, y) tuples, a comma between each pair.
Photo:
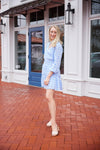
[(53, 33)]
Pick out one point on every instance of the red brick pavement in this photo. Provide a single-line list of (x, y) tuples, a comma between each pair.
[(24, 114)]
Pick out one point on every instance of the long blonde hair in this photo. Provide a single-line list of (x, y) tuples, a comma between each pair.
[(57, 38)]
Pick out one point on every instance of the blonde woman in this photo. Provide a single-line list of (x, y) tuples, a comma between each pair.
[(51, 79)]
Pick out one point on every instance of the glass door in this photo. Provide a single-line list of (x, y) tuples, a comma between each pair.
[(36, 50)]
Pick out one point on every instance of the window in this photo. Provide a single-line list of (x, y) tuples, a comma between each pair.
[(95, 49), (53, 13), (95, 5), (20, 21), (56, 13), (20, 50), (36, 50), (36, 17), (95, 39)]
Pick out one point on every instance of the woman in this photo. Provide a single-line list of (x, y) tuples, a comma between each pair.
[(51, 79)]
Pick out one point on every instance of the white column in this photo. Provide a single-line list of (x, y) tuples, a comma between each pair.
[(73, 81)]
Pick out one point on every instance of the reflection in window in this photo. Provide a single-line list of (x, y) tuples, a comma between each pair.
[(95, 6), (56, 13), (95, 49), (20, 20), (20, 50), (36, 51), (37, 17)]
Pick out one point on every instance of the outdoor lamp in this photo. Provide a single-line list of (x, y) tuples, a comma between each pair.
[(2, 27), (69, 15)]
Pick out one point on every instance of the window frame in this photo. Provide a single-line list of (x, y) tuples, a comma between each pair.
[(19, 29), (37, 23), (18, 70), (90, 18)]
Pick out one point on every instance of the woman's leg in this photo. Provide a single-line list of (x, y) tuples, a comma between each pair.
[(52, 106)]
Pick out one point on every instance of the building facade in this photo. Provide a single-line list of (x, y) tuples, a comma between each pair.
[(25, 37)]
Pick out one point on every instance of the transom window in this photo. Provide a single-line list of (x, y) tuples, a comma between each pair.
[(20, 20), (95, 6), (56, 13), (36, 17)]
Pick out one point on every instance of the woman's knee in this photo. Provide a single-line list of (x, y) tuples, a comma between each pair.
[(49, 94)]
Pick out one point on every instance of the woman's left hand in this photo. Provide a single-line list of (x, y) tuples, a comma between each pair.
[(46, 81)]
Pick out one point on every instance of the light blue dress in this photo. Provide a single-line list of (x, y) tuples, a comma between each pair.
[(52, 61)]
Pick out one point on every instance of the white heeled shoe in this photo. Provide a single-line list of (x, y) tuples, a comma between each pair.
[(55, 132), (49, 124)]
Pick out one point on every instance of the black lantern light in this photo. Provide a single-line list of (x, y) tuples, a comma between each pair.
[(69, 15), (2, 27)]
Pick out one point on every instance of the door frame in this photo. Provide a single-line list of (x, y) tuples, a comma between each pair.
[(35, 74)]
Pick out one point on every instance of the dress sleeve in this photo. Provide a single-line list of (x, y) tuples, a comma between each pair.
[(57, 58)]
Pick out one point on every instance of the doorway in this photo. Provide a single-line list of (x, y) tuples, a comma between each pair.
[(36, 51)]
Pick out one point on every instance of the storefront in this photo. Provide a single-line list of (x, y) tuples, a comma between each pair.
[(26, 35)]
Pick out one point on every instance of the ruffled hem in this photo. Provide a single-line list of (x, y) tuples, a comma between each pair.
[(54, 83)]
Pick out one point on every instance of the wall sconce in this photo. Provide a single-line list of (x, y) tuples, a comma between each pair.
[(69, 15), (2, 27)]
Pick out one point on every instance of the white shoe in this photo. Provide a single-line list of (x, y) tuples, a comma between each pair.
[(55, 132), (49, 124)]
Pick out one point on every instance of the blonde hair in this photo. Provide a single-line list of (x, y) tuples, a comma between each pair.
[(57, 38)]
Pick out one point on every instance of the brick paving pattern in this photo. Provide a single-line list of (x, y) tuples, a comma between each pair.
[(24, 114)]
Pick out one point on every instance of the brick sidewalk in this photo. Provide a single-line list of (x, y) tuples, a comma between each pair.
[(24, 114)]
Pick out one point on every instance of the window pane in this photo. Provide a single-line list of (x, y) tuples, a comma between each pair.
[(61, 12), (36, 51), (33, 18), (40, 16), (95, 49), (53, 13), (20, 50), (37, 17), (56, 13), (20, 20), (95, 6)]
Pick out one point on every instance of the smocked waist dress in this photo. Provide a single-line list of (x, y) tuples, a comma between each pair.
[(52, 61)]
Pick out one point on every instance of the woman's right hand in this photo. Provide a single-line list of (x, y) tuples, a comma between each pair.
[(46, 81)]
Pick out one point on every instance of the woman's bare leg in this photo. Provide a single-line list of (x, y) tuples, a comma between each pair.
[(52, 106)]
